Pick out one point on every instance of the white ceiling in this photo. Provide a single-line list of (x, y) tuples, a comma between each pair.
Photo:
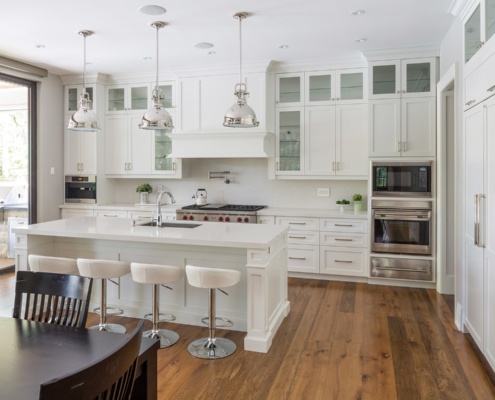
[(313, 29)]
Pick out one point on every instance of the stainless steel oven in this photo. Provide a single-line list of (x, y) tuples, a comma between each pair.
[(401, 227), (80, 189)]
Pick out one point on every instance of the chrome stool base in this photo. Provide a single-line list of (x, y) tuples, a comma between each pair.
[(162, 317), (110, 328), (112, 311), (167, 338), (211, 349)]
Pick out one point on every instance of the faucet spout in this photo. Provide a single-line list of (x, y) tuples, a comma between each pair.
[(159, 216)]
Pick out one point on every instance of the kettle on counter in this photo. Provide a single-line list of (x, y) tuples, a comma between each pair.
[(201, 197)]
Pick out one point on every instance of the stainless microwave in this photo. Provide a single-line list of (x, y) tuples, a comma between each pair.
[(80, 189), (409, 178)]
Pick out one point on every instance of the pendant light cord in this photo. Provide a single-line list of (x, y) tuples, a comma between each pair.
[(157, 69), (240, 49), (84, 67)]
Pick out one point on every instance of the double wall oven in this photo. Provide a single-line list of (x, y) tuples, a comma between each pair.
[(402, 220)]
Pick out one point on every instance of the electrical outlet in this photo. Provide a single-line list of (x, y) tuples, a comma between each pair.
[(323, 192), (159, 188)]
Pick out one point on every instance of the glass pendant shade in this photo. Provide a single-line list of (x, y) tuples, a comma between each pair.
[(84, 119), (240, 115), (156, 117)]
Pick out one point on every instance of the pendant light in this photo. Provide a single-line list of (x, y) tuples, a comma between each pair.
[(84, 119), (156, 117), (240, 115)]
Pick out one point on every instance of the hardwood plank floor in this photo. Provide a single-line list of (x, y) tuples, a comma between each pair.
[(340, 341)]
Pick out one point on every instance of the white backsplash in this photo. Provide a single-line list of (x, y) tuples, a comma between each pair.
[(249, 184)]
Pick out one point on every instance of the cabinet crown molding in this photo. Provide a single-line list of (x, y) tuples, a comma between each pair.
[(77, 79), (400, 53), (315, 65)]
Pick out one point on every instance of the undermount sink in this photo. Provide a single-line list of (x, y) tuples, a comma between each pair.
[(170, 224)]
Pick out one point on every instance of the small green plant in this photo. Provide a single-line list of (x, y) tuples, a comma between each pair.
[(144, 187), (343, 202), (357, 197)]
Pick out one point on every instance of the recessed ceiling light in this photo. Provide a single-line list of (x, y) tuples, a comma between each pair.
[(357, 12), (146, 58), (211, 52), (283, 46), (203, 45), (152, 10), (39, 46), (361, 40)]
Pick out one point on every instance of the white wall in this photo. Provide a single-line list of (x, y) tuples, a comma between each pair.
[(249, 185), (50, 147)]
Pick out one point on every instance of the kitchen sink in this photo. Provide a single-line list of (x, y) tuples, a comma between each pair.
[(170, 224)]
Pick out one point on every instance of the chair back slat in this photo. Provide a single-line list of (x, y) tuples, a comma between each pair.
[(110, 378), (52, 298)]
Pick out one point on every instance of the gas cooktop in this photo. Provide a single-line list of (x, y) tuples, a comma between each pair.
[(224, 207)]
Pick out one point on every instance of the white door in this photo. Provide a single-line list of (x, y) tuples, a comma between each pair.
[(473, 151), (352, 140), (489, 237), (418, 133), (319, 143)]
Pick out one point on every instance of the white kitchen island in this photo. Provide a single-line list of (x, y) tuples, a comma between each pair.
[(257, 305)]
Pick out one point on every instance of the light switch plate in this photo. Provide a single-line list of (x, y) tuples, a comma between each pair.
[(323, 192)]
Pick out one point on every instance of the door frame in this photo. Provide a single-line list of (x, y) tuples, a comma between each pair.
[(32, 141)]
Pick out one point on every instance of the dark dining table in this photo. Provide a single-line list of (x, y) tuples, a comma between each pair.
[(34, 352)]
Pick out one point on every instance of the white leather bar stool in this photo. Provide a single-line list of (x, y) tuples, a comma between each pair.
[(157, 275), (104, 269), (56, 265), (212, 347)]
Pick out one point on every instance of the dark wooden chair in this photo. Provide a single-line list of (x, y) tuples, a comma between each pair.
[(53, 298), (110, 378)]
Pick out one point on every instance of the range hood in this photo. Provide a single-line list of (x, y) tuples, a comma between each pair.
[(223, 145)]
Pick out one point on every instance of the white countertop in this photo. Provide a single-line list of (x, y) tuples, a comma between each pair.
[(275, 211), (214, 234)]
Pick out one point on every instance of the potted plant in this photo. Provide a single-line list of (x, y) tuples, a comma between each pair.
[(357, 199), (343, 203), (144, 191)]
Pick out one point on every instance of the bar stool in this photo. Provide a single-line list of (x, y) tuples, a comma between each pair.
[(56, 265), (104, 269), (158, 275), (212, 347)]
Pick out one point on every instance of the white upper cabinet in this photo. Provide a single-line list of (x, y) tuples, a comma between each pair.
[(203, 102), (479, 27), (321, 88), (124, 98), (415, 77), (80, 152)]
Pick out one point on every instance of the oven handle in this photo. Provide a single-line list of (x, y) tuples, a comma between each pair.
[(402, 215), (399, 269)]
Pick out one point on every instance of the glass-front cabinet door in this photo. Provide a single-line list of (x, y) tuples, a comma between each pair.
[(289, 90), (73, 96), (290, 136), (320, 88), (351, 86), (417, 77), (489, 19), (162, 148), (123, 98), (168, 95), (472, 34), (384, 79)]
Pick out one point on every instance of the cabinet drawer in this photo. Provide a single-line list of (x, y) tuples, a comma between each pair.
[(299, 223), (111, 214), (343, 239), (71, 213), (303, 237), (343, 225), (303, 259), (342, 261), (266, 219), (140, 215)]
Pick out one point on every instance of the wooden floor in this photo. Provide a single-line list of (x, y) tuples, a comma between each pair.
[(340, 341)]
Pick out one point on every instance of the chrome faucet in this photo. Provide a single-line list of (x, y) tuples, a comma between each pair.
[(159, 206)]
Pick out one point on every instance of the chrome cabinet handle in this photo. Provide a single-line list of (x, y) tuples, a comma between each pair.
[(110, 215), (343, 261), (173, 166), (82, 166), (338, 165), (343, 225), (477, 221), (480, 44), (297, 258), (470, 102), (297, 237), (491, 89), (343, 240), (404, 146), (333, 166), (297, 223), (130, 166), (398, 146)]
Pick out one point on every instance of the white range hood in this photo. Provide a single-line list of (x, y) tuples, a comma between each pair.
[(223, 145)]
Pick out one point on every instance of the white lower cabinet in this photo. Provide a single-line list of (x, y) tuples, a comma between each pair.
[(76, 212), (110, 213), (326, 246)]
